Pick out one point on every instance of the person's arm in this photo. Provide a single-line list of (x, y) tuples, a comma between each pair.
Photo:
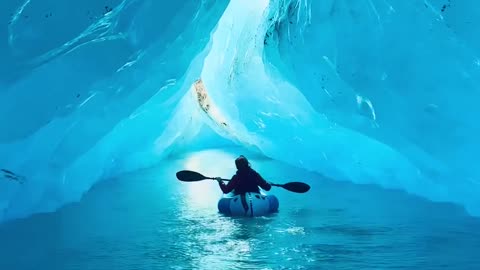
[(262, 183), (227, 188)]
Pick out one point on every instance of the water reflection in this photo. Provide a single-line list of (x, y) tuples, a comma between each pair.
[(213, 241)]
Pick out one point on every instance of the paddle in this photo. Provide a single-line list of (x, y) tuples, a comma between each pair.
[(191, 176)]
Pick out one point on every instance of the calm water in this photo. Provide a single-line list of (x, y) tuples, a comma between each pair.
[(149, 220)]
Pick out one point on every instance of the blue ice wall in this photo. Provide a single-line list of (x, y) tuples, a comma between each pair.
[(84, 84), (405, 82), (368, 91), (405, 73)]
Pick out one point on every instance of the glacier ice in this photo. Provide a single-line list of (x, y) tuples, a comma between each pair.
[(74, 108), (369, 91)]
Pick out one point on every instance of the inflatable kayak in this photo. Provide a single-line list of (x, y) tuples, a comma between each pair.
[(251, 204)]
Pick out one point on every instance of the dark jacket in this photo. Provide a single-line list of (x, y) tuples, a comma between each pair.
[(244, 181)]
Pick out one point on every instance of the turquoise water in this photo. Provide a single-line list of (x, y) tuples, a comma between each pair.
[(150, 220)]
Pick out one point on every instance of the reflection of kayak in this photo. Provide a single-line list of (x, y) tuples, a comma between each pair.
[(251, 204)]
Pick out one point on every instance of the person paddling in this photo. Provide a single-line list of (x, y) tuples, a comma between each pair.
[(245, 180)]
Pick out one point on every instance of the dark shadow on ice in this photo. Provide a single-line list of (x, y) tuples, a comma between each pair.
[(9, 175)]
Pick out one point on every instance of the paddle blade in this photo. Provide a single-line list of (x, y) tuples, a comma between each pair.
[(297, 187), (190, 176)]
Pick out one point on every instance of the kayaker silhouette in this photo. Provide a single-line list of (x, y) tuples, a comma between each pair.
[(246, 198), (245, 180)]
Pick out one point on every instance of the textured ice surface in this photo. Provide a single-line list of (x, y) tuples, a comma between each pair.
[(368, 91)]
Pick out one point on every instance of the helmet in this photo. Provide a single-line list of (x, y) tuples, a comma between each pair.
[(242, 163)]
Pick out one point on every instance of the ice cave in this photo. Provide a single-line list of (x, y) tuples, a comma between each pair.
[(371, 104)]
